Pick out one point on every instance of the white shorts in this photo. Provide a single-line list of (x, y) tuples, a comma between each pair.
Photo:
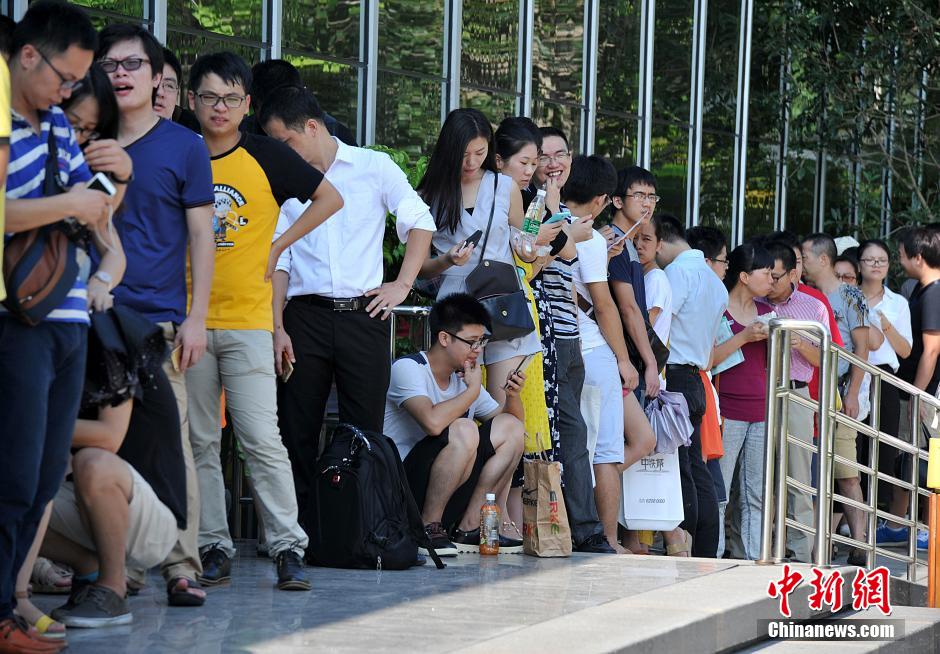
[(600, 370), (151, 533)]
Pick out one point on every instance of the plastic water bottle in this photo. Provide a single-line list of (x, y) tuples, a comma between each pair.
[(489, 526), (533, 215)]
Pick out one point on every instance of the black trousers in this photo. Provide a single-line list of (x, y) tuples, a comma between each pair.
[(346, 346), (890, 460), (698, 487)]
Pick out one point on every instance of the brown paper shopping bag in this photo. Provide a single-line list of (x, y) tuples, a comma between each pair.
[(545, 530)]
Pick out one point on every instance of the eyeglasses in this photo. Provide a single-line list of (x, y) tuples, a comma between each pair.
[(640, 197), (129, 64), (477, 345), (230, 101), (875, 263), (847, 278), (89, 134), (559, 158), (170, 86), (66, 84), (776, 277), (723, 262)]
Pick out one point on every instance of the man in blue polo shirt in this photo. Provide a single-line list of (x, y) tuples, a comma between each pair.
[(42, 367)]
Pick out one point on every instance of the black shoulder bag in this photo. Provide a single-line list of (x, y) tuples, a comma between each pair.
[(496, 285)]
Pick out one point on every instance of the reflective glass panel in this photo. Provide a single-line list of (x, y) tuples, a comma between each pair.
[(241, 18), (557, 53), (490, 44), (408, 113), (618, 56), (330, 27), (335, 85), (411, 35)]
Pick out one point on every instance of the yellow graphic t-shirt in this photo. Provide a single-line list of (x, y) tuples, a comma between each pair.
[(5, 120), (251, 182)]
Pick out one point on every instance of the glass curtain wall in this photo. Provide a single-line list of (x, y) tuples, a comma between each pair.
[(655, 82)]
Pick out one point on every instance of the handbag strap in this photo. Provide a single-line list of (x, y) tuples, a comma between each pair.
[(489, 223), (50, 185)]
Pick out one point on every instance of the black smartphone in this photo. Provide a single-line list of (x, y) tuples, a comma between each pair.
[(520, 368), (474, 239)]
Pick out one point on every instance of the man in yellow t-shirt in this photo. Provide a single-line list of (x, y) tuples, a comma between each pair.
[(252, 176), (5, 119)]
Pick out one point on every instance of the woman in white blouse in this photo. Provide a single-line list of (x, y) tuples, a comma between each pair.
[(891, 316)]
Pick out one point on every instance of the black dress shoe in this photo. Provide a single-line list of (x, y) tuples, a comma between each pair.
[(216, 567), (596, 544), (290, 571)]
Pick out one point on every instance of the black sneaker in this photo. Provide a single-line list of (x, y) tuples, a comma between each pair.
[(290, 571), (95, 606), (439, 541), (216, 567), (596, 544), (467, 542), (509, 545), (858, 556)]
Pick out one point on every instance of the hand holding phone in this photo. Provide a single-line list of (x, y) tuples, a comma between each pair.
[(474, 239), (523, 365), (287, 367), (101, 182)]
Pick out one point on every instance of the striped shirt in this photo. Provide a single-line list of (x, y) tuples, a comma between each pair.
[(26, 175), (558, 282), (801, 306)]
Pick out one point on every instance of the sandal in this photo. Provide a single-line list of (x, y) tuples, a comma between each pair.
[(179, 592), (680, 549), (510, 524), (48, 578), (45, 625)]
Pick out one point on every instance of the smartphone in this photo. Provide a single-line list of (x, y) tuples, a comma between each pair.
[(520, 368), (558, 217), (101, 182), (176, 357), (287, 368), (474, 239), (618, 240)]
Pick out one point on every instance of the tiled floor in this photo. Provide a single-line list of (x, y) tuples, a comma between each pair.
[(422, 609)]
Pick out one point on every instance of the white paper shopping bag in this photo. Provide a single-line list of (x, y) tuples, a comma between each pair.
[(652, 494)]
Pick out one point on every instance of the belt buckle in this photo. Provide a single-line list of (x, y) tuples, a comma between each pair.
[(346, 304)]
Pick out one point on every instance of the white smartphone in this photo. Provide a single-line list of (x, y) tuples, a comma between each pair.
[(618, 240), (101, 182)]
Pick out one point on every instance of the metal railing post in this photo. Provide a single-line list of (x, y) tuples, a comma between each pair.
[(770, 421), (828, 382)]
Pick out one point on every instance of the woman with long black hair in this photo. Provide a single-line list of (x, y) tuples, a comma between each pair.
[(462, 187)]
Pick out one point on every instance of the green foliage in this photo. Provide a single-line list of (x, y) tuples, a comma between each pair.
[(392, 250)]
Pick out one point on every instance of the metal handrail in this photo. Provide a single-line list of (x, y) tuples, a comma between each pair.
[(411, 312), (776, 480)]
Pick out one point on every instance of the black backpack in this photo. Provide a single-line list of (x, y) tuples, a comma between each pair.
[(362, 513)]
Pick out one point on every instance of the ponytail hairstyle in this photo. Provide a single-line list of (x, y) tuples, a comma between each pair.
[(746, 258), (440, 186)]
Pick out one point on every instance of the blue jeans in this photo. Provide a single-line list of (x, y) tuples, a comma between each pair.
[(744, 444), (42, 371)]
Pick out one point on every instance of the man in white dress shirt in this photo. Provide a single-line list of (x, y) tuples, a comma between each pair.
[(699, 300), (333, 327)]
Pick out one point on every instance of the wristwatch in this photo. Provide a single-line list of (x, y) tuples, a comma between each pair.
[(130, 178), (105, 277)]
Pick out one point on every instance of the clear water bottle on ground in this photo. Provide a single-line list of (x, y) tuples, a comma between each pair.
[(489, 526)]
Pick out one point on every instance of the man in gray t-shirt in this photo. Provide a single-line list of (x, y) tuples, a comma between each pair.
[(851, 312)]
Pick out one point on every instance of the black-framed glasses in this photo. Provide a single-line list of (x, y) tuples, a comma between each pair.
[(640, 197), (560, 157), (170, 85), (66, 84), (776, 278), (721, 261), (211, 100), (130, 64), (88, 133), (477, 345)]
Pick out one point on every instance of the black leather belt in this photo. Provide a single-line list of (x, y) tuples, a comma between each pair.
[(795, 384), (335, 303), (684, 367)]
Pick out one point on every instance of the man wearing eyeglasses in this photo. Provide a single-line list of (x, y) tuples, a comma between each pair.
[(434, 400), (252, 177), (167, 213), (42, 366)]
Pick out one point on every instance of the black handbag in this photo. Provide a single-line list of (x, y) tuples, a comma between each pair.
[(660, 350), (496, 285)]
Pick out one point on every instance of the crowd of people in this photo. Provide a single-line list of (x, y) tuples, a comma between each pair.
[(245, 227)]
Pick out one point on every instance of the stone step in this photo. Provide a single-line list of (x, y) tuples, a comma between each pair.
[(921, 636)]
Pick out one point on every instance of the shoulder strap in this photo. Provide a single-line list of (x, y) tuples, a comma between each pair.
[(489, 223), (50, 185), (586, 307)]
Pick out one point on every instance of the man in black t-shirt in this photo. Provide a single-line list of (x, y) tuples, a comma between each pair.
[(122, 505), (920, 258)]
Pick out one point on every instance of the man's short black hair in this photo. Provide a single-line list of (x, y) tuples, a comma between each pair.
[(781, 251), (170, 58), (227, 65), (455, 312), (590, 177), (266, 76), (923, 241), (710, 240), (52, 27), (119, 32), (293, 106), (554, 131), (627, 177), (822, 244), (668, 228), (785, 236)]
